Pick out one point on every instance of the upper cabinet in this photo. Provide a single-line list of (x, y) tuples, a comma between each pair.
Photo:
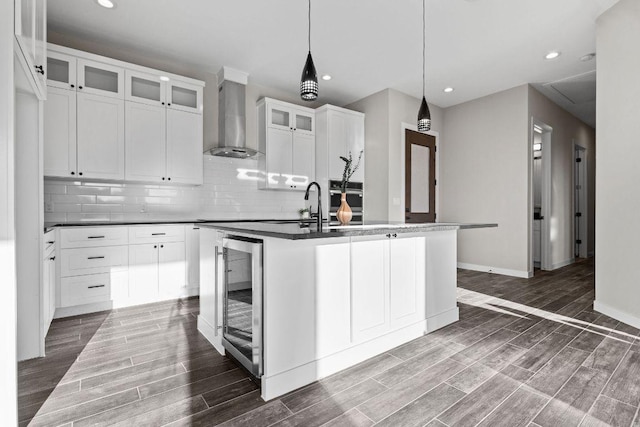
[(339, 132), (116, 121), (31, 35), (100, 79), (286, 136), (160, 90)]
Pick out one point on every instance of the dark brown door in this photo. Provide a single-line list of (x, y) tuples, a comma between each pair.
[(420, 177)]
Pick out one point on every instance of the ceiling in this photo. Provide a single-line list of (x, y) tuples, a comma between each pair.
[(478, 47)]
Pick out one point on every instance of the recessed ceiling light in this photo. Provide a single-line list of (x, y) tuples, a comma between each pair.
[(588, 57), (326, 77), (552, 55), (164, 78), (106, 3), (448, 89)]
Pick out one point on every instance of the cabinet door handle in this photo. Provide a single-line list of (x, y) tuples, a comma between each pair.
[(158, 234), (80, 87), (95, 286), (95, 237), (155, 246), (72, 86), (162, 246), (52, 258), (395, 235), (169, 179), (73, 173), (95, 257), (50, 243), (163, 103), (388, 236)]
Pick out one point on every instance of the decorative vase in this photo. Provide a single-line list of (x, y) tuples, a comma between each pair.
[(344, 213)]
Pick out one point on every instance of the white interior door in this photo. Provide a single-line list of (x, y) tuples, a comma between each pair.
[(145, 142), (100, 137)]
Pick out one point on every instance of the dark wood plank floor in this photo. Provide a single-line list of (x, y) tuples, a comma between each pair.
[(525, 353)]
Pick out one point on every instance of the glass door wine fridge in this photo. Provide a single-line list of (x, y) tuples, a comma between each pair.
[(242, 303)]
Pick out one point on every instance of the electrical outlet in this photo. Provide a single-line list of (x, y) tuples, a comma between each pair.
[(48, 207)]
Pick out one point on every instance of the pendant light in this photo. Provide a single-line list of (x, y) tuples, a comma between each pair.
[(424, 115), (309, 79)]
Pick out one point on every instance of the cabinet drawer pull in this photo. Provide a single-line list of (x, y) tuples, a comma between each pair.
[(95, 237), (52, 258), (95, 257), (95, 286), (158, 234), (50, 243)]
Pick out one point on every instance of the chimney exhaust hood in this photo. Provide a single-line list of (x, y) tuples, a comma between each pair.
[(232, 141)]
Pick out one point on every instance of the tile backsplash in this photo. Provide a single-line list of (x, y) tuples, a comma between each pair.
[(230, 191)]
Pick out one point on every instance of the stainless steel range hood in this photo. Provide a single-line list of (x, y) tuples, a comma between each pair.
[(232, 141)]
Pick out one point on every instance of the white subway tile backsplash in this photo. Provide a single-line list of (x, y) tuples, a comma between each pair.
[(224, 195)]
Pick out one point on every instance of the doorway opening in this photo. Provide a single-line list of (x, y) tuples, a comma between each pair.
[(420, 177), (540, 215), (580, 209)]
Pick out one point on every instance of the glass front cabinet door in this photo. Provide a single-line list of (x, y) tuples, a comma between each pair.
[(184, 96), (62, 71), (145, 88), (100, 79)]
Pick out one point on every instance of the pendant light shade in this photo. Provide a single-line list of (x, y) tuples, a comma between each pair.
[(309, 79), (424, 115)]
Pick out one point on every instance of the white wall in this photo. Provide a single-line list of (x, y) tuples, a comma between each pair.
[(385, 112), (484, 154), (618, 150), (227, 193), (567, 129), (8, 368)]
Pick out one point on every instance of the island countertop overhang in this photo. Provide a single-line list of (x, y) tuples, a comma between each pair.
[(294, 231)]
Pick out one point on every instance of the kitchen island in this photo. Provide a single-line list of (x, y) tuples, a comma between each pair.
[(331, 298)]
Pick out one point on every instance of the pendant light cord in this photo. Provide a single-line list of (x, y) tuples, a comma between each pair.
[(424, 36), (309, 25)]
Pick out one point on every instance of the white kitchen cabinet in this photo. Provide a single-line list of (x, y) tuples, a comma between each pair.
[(388, 284), (286, 134), (369, 288), (60, 133), (184, 147), (61, 71), (339, 132), (100, 137), (116, 121), (157, 270), (98, 78), (172, 272), (48, 281), (158, 89), (193, 256), (31, 35), (183, 96), (145, 142)]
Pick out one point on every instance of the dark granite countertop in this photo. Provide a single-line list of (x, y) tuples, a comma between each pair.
[(296, 231)]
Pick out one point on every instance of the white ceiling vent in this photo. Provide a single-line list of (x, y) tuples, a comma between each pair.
[(578, 89)]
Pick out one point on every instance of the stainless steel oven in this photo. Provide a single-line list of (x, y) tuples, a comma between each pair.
[(242, 301), (355, 199)]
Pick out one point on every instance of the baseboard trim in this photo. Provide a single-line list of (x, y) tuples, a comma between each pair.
[(495, 270), (563, 263), (622, 316), (209, 333)]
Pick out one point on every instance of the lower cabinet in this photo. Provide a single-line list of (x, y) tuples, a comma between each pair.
[(105, 267), (48, 284), (157, 271), (388, 284)]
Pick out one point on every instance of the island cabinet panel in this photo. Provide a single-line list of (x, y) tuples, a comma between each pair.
[(333, 299), (407, 281), (369, 288), (441, 283)]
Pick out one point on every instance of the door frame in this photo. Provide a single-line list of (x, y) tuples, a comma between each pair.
[(545, 228), (403, 128), (584, 203)]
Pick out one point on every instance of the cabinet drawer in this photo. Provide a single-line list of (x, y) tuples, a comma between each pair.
[(85, 289), (88, 237), (159, 233), (74, 262)]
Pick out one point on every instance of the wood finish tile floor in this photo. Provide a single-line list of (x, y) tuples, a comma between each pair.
[(525, 353)]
